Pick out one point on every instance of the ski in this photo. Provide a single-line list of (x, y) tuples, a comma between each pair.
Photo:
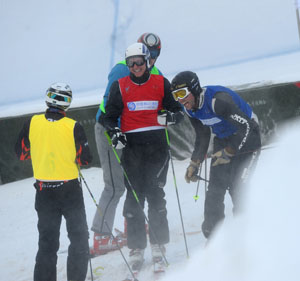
[(192, 232), (131, 278), (135, 270), (159, 266), (159, 269)]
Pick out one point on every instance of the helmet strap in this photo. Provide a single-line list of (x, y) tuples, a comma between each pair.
[(199, 100)]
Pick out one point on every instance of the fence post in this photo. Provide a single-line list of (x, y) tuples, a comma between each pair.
[(297, 3), (114, 33)]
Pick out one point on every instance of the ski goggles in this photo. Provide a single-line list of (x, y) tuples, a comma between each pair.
[(138, 61), (181, 93), (59, 97), (154, 53)]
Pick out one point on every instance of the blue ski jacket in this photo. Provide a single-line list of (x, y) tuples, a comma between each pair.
[(220, 127)]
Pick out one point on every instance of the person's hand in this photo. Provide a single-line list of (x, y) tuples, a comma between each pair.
[(166, 118), (221, 157), (118, 139), (192, 171)]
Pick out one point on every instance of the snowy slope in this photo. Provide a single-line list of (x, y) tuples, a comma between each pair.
[(262, 245), (264, 71), (61, 40), (19, 233)]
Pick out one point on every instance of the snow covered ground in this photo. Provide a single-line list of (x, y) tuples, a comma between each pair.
[(261, 245), (19, 233)]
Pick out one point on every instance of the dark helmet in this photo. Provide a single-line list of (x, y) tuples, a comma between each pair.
[(59, 95), (153, 43), (187, 79)]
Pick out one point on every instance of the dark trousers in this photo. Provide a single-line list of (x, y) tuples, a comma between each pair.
[(51, 204), (232, 177), (146, 166)]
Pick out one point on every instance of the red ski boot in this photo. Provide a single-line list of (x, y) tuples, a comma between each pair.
[(105, 243)]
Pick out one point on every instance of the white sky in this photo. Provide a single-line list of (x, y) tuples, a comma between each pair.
[(48, 41)]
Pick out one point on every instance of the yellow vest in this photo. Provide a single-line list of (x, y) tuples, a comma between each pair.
[(52, 149)]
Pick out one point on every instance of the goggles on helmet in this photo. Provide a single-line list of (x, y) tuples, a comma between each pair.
[(154, 53), (181, 93), (131, 61), (57, 97)]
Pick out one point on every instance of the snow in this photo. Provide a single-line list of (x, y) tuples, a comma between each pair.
[(263, 244), (49, 41), (233, 43), (267, 70)]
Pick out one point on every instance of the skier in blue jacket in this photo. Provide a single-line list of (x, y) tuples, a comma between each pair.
[(236, 143), (113, 190)]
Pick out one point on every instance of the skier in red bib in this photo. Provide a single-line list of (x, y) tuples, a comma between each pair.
[(145, 105)]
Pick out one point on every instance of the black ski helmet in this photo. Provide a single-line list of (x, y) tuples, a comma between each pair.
[(187, 79)]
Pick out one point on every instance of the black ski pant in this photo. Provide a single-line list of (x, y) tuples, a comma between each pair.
[(146, 166), (51, 204), (232, 177)]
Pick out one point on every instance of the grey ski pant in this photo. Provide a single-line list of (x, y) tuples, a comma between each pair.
[(112, 191)]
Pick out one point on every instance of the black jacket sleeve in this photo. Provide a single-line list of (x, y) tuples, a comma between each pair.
[(170, 104), (203, 134), (22, 146), (114, 107), (225, 107), (83, 154)]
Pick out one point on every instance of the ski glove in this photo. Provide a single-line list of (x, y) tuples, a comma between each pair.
[(221, 157), (118, 139), (166, 118), (192, 171)]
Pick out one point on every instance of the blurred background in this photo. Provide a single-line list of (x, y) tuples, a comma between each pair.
[(79, 41)]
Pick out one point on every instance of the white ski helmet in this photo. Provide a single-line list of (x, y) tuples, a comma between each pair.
[(138, 49), (59, 95)]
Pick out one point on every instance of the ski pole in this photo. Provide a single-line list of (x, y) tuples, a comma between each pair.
[(176, 189), (196, 196), (242, 153), (249, 151), (99, 210), (205, 168), (90, 260), (136, 198), (91, 268)]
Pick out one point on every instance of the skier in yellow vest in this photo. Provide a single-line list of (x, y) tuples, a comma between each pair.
[(56, 144)]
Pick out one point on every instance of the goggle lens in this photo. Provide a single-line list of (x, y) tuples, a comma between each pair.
[(181, 93), (59, 97), (135, 61), (154, 54)]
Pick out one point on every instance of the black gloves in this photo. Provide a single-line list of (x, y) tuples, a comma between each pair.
[(118, 139), (166, 118)]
